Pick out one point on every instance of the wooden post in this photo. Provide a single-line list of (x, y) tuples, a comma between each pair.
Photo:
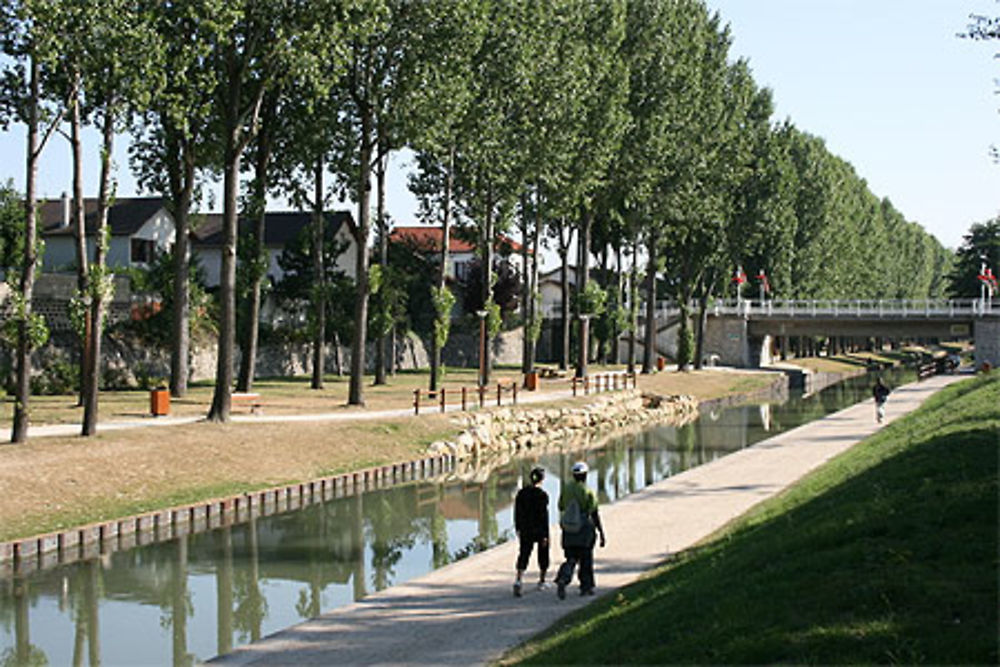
[(463, 398), (416, 401), (442, 399), (513, 389), (499, 390), (482, 394), (574, 385)]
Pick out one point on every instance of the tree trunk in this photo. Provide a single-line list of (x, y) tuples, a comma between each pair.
[(182, 172), (487, 250), (79, 227), (101, 279), (532, 280), (525, 286), (222, 398), (633, 306), (251, 331), (319, 276), (443, 268), (703, 297), (583, 277), (564, 307), (649, 349), (383, 260), (22, 391), (356, 390)]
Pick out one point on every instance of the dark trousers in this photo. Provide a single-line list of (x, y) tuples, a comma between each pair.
[(524, 555), (585, 557)]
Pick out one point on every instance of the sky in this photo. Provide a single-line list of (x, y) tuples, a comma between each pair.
[(886, 83)]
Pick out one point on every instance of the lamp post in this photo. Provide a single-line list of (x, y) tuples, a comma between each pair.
[(581, 366), (482, 346)]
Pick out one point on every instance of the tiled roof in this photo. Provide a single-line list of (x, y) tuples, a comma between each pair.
[(428, 239)]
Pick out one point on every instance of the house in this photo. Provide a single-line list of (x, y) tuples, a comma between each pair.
[(550, 289), (461, 252), (140, 227), (280, 228)]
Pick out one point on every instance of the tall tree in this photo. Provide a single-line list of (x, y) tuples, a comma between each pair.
[(269, 41), (119, 74), (29, 38), (173, 144), (980, 245)]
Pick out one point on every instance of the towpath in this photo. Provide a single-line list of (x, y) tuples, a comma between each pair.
[(465, 614)]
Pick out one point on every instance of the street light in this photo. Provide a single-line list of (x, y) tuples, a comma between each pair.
[(581, 367), (482, 346)]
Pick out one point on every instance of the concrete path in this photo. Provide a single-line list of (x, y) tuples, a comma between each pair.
[(465, 613)]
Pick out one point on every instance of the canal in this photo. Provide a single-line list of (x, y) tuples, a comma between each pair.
[(196, 596)]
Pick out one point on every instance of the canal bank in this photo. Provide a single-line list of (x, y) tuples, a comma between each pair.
[(464, 613)]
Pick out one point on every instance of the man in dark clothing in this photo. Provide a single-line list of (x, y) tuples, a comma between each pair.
[(531, 521), (880, 392), (578, 540)]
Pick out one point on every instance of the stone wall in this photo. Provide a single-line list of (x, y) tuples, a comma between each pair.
[(508, 430), (987, 335)]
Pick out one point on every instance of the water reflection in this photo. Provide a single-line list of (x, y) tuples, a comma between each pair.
[(202, 594)]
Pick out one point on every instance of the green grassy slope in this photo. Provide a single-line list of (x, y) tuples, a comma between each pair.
[(887, 554)]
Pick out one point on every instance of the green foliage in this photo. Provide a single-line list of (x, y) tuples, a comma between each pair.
[(494, 318), (59, 378), (157, 283), (980, 244), (685, 347), (591, 300), (17, 311), (444, 302), (11, 227)]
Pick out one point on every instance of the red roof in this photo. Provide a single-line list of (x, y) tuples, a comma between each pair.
[(428, 239)]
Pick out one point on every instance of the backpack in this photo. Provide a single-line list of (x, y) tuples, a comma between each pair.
[(571, 520)]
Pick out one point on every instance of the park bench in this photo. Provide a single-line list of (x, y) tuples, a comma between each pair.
[(252, 399)]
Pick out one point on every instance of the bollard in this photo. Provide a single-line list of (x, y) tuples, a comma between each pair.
[(463, 398), (442, 399), (482, 394), (416, 401), (499, 390), (574, 385), (513, 388)]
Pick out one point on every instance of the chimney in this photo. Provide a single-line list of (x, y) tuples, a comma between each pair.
[(66, 211)]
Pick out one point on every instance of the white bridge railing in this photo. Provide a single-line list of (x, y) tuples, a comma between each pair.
[(839, 308), (848, 308)]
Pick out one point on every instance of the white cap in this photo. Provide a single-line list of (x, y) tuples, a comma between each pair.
[(580, 468)]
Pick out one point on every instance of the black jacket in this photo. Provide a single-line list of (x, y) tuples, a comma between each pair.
[(531, 513)]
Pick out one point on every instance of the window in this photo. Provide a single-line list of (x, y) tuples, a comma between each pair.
[(143, 251)]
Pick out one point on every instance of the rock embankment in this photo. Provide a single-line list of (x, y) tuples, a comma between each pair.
[(508, 430)]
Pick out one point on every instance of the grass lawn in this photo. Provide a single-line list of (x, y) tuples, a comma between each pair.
[(886, 555)]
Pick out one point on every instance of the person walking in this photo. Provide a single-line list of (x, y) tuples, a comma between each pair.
[(881, 393), (579, 520), (531, 521)]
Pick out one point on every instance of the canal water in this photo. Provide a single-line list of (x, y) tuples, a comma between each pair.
[(200, 595)]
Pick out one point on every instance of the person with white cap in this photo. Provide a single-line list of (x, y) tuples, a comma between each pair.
[(579, 520)]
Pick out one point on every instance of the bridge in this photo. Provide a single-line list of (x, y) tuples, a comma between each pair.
[(749, 333)]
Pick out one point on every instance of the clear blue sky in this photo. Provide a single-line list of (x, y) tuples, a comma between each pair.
[(886, 83)]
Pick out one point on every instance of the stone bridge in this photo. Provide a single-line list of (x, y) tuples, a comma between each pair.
[(748, 333)]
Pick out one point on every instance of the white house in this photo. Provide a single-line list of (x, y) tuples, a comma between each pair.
[(550, 288), (140, 229), (280, 228)]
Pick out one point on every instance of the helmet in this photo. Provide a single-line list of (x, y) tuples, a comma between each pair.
[(537, 474), (580, 468)]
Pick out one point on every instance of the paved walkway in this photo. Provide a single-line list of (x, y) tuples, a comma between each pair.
[(465, 614)]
